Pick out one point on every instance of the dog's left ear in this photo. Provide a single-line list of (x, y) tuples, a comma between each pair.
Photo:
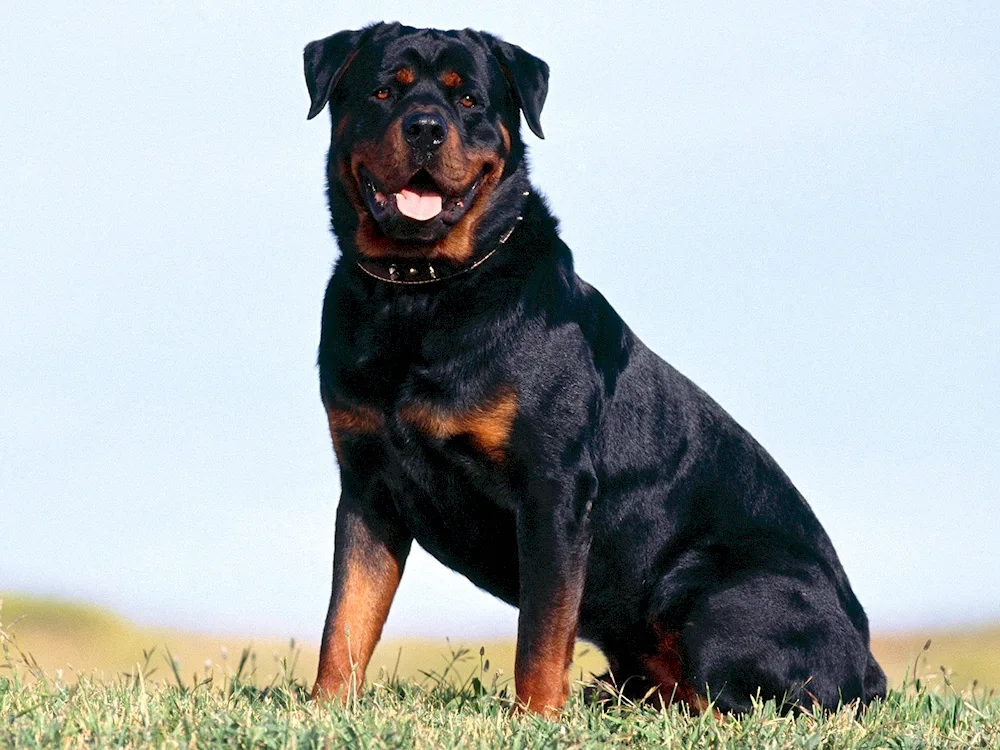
[(528, 77), (326, 61)]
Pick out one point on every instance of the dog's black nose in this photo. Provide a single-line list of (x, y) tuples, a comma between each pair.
[(424, 131)]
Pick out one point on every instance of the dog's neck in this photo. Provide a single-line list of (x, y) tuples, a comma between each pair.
[(416, 272), (493, 232)]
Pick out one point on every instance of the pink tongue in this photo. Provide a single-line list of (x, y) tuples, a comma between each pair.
[(419, 206)]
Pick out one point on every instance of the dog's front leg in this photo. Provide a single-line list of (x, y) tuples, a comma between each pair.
[(553, 541), (371, 549)]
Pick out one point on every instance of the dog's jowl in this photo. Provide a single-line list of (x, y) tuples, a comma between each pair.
[(486, 402)]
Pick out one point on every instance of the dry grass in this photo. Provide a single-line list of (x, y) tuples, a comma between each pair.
[(82, 639), (237, 700)]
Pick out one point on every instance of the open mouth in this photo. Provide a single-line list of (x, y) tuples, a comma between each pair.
[(417, 206)]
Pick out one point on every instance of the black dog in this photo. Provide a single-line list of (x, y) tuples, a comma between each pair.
[(487, 402)]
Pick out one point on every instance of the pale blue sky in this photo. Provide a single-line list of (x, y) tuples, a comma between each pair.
[(795, 204)]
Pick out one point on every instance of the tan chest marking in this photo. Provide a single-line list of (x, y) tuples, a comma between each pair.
[(356, 420), (487, 425)]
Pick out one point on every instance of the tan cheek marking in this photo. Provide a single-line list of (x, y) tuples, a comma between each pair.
[(388, 160), (487, 425), (460, 167)]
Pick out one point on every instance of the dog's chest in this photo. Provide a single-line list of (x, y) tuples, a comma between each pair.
[(445, 461), (449, 480), (432, 444), (424, 392), (410, 408), (447, 471)]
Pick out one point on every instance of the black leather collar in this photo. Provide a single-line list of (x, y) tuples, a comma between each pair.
[(422, 271)]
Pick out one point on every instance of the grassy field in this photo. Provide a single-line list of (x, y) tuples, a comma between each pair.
[(72, 675), (81, 639)]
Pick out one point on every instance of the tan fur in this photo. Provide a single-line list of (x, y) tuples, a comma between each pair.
[(541, 669), (357, 626), (487, 425), (358, 420), (506, 137), (664, 669), (454, 170)]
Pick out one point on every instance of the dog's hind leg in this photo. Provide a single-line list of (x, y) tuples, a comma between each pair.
[(775, 636)]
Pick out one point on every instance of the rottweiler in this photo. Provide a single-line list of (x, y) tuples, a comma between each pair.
[(488, 403)]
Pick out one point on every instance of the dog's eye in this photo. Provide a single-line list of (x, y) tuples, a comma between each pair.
[(383, 93), (468, 101)]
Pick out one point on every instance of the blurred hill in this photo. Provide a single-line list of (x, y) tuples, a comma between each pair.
[(70, 638)]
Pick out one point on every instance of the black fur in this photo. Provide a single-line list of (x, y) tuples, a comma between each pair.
[(621, 493)]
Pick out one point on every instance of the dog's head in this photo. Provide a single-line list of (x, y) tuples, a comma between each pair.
[(425, 134)]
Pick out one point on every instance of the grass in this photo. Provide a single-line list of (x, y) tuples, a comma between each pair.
[(227, 710), (81, 638), (459, 701)]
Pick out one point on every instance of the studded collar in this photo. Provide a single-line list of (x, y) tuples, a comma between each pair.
[(422, 271)]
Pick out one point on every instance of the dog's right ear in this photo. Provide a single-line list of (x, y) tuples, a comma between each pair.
[(326, 61)]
